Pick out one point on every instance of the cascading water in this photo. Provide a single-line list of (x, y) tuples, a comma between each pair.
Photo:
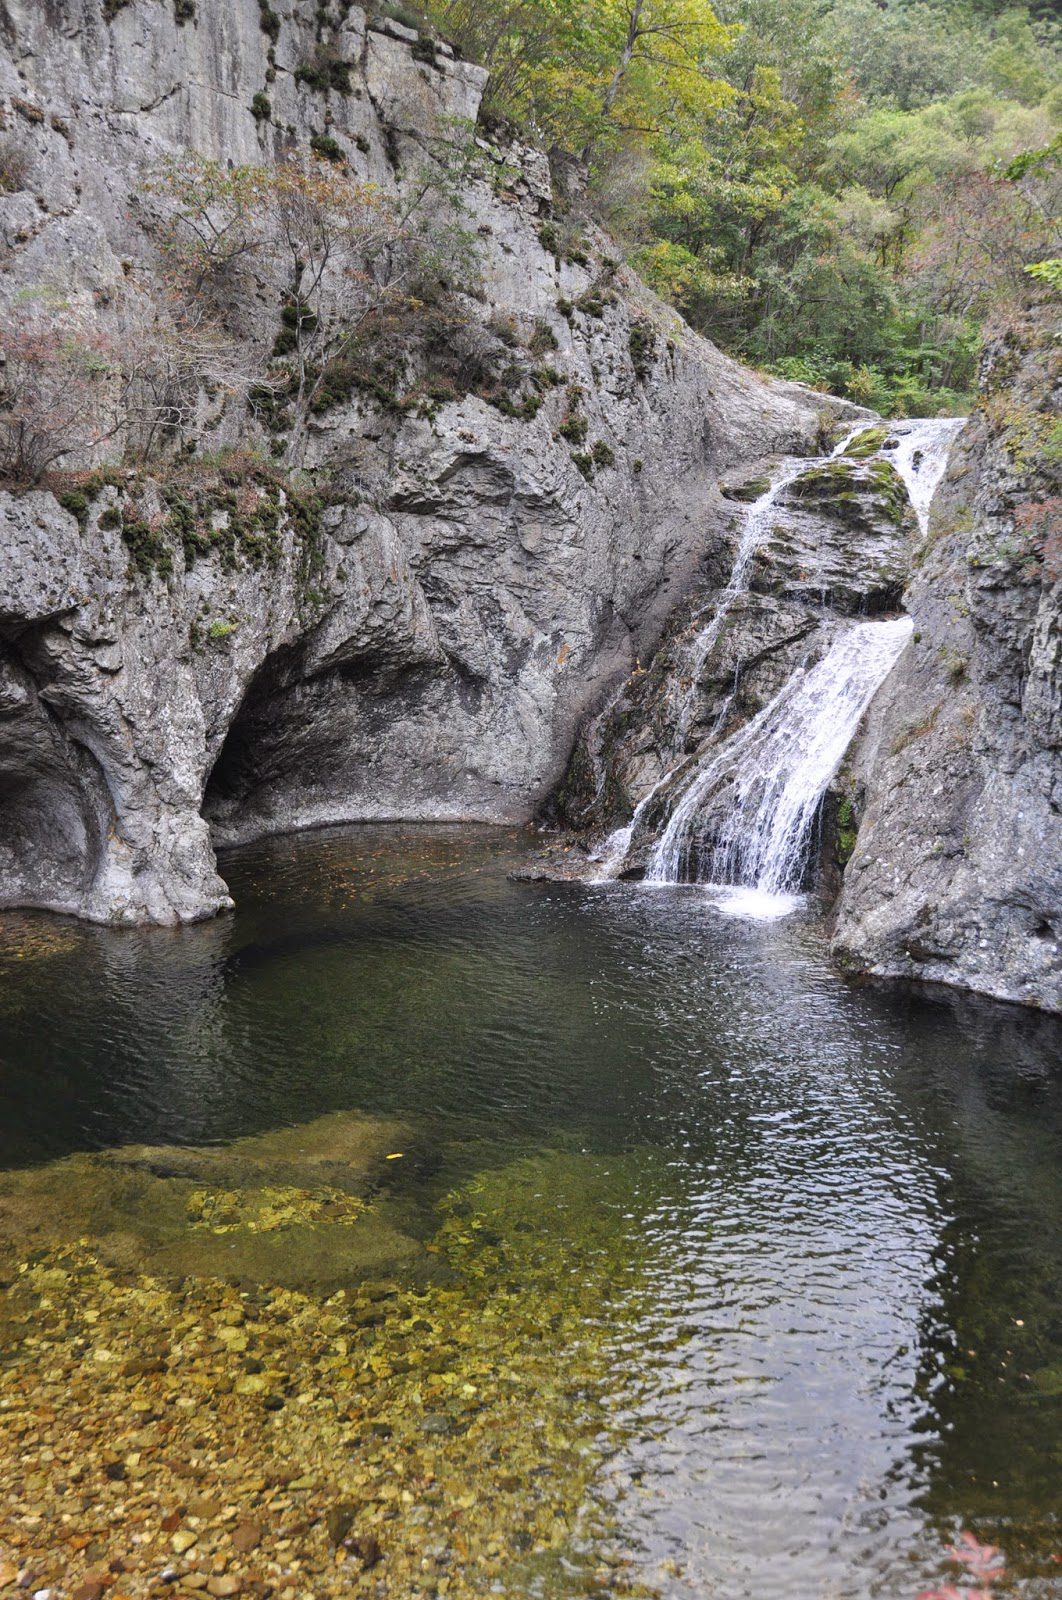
[(753, 533), (765, 784), (761, 790), (754, 530), (920, 456)]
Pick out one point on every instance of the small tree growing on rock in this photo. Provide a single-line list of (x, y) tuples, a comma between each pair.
[(170, 355), (210, 224), (345, 258), (346, 263), (57, 391), (130, 377)]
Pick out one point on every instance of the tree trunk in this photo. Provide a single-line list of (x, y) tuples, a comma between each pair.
[(608, 99)]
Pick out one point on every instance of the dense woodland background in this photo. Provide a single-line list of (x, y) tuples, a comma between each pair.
[(840, 191)]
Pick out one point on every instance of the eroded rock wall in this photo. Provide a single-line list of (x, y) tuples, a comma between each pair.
[(832, 542), (424, 640), (957, 872)]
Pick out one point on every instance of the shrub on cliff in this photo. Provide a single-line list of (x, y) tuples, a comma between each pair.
[(343, 257), (129, 379), (56, 391)]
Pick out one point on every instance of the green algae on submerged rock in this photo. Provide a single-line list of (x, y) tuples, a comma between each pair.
[(304, 1207), (385, 1440)]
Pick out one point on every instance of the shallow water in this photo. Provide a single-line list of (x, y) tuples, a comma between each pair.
[(822, 1223)]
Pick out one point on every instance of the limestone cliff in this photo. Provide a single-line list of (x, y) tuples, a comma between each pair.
[(957, 873), (415, 627)]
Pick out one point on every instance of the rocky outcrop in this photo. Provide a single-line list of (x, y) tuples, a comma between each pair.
[(831, 541), (416, 629), (956, 876)]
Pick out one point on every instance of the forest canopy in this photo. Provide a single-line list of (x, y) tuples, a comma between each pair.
[(840, 191)]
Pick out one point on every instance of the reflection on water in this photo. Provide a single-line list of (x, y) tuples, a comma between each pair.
[(839, 1336)]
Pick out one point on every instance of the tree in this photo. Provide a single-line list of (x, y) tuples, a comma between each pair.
[(593, 74), (58, 387), (210, 219), (172, 357), (342, 250)]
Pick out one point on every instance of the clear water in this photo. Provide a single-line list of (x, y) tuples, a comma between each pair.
[(836, 1337)]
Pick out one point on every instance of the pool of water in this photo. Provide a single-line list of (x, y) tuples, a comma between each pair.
[(816, 1228)]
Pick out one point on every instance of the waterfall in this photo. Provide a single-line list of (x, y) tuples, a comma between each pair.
[(920, 456), (742, 823), (613, 852), (753, 533), (765, 784)]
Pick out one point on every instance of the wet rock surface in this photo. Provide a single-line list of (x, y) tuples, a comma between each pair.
[(841, 538), (957, 873)]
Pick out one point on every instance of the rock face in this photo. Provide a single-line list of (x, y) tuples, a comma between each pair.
[(832, 540), (417, 628), (957, 873)]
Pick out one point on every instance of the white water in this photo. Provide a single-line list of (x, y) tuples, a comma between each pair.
[(769, 778), (614, 850), (920, 457), (791, 749), (753, 534)]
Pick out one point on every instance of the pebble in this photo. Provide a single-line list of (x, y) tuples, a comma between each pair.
[(339, 1522), (181, 1484)]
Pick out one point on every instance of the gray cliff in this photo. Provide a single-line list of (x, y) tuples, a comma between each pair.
[(956, 875), (418, 626)]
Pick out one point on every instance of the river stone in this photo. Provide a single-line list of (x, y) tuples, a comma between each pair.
[(339, 1521)]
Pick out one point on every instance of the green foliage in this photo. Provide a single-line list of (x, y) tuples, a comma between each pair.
[(839, 191), (324, 72), (642, 345), (1049, 272), (149, 550), (268, 21), (590, 72), (847, 831), (329, 149), (74, 501), (574, 425)]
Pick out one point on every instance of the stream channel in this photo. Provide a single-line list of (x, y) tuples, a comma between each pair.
[(586, 1240)]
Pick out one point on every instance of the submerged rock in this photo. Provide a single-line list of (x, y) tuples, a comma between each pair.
[(302, 1207)]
